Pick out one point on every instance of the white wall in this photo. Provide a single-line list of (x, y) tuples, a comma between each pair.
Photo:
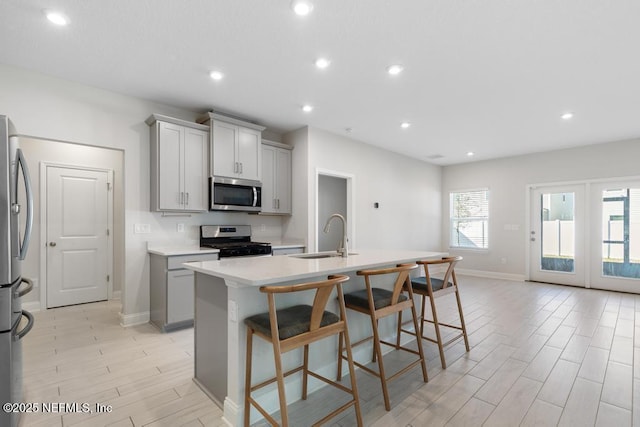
[(507, 180), (56, 109), (407, 190)]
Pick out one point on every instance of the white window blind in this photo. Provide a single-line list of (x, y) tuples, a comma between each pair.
[(470, 219)]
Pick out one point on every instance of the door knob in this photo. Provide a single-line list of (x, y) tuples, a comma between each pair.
[(52, 244)]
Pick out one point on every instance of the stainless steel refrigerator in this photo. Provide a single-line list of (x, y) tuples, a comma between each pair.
[(14, 241)]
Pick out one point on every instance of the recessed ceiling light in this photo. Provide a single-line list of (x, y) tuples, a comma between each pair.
[(216, 75), (302, 7), (56, 18), (405, 125), (470, 153), (322, 63), (567, 116), (395, 69), (307, 108)]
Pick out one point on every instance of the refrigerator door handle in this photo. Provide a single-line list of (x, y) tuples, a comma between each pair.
[(24, 246), (27, 328), (26, 290)]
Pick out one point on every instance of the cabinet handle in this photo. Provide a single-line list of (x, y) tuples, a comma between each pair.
[(187, 202), (240, 168), (278, 202), (235, 167)]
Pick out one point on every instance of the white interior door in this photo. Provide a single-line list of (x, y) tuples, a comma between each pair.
[(615, 248), (77, 235), (557, 235)]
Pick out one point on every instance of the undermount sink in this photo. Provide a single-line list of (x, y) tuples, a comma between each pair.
[(318, 255)]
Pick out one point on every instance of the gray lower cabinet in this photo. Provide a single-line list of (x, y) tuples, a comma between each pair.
[(172, 296)]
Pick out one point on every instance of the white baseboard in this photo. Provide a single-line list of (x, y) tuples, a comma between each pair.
[(491, 274), (134, 319), (32, 306)]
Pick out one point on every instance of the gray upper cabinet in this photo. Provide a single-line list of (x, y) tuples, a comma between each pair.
[(179, 173), (276, 178), (235, 147)]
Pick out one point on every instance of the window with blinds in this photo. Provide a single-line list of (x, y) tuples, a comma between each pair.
[(469, 219)]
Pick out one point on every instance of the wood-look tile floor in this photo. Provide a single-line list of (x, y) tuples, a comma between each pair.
[(540, 355)]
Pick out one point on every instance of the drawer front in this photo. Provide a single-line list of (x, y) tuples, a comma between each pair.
[(180, 297), (175, 262), (288, 251)]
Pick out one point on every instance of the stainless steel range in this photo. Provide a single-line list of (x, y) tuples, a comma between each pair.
[(232, 240)]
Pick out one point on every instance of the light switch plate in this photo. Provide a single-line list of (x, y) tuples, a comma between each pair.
[(142, 228)]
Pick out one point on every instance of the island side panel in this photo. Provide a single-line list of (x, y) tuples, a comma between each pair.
[(210, 336)]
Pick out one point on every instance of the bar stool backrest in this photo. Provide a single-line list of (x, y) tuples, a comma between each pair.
[(449, 276), (403, 271), (323, 290)]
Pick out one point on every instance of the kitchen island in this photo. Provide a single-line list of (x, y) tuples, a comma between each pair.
[(226, 292)]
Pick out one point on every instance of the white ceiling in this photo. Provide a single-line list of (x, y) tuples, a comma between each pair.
[(489, 76)]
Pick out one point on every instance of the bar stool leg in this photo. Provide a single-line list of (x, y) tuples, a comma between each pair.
[(399, 331), (425, 377), (340, 350), (280, 380), (352, 374), (378, 352), (422, 319), (305, 372), (247, 380), (436, 326), (464, 328)]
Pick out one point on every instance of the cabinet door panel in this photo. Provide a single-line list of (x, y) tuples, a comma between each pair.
[(169, 161), (223, 153), (283, 180), (180, 295), (195, 169), (268, 179), (250, 153)]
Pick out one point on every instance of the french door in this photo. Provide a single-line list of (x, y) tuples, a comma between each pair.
[(557, 235), (615, 249), (586, 235)]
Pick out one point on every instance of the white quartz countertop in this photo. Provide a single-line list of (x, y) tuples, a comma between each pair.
[(180, 250), (258, 271)]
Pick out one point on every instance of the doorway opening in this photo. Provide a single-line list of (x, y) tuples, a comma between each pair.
[(334, 194)]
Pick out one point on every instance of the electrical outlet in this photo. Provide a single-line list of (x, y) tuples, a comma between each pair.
[(263, 227), (180, 228), (142, 228), (233, 311)]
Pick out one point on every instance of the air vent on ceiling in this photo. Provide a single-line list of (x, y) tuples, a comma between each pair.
[(435, 156)]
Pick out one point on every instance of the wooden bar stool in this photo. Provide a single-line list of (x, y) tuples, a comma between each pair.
[(294, 327), (432, 288), (379, 303)]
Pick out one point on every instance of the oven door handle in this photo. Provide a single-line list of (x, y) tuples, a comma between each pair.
[(27, 328), (26, 290), (255, 196)]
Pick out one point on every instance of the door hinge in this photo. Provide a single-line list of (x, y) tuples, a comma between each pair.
[(108, 186), (108, 233), (108, 278)]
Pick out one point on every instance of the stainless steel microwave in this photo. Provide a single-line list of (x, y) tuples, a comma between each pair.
[(231, 194)]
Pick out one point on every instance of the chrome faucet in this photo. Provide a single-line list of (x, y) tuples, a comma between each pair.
[(342, 245)]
